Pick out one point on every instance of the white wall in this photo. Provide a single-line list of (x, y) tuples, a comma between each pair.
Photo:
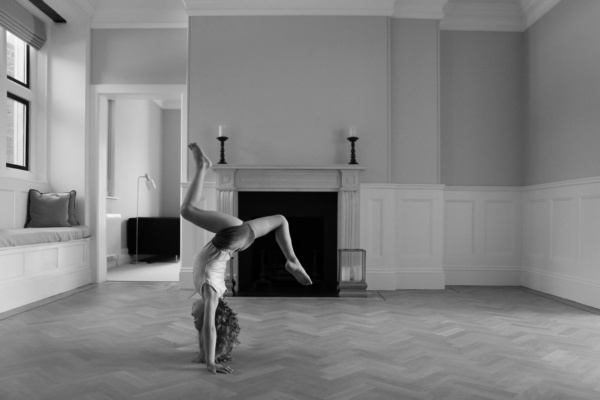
[(171, 163), (138, 150), (68, 61)]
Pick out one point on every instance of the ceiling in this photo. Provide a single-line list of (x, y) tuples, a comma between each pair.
[(487, 15)]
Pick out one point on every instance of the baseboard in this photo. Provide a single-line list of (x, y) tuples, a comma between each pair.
[(423, 279), (124, 257), (567, 287), (381, 280), (483, 276), (406, 279)]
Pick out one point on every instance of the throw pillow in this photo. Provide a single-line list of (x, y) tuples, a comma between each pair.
[(46, 210)]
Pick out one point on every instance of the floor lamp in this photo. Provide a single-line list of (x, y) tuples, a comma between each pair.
[(151, 186)]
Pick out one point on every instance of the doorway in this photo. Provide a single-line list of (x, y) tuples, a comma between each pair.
[(139, 131)]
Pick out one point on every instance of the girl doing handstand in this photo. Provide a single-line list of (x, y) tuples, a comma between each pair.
[(232, 234)]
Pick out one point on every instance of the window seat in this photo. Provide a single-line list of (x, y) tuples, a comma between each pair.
[(37, 263)]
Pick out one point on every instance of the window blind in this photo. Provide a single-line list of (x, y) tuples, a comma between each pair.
[(22, 23)]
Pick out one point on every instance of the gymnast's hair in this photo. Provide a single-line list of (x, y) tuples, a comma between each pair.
[(227, 326)]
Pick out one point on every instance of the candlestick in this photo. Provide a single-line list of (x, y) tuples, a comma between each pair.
[(222, 139), (352, 140)]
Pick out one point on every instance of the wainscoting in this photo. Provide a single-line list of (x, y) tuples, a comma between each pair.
[(561, 254), (545, 237), (482, 236), (402, 232)]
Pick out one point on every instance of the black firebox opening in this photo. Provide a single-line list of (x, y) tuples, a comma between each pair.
[(312, 218)]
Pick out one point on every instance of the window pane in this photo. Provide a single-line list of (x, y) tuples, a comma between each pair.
[(16, 132), (16, 59)]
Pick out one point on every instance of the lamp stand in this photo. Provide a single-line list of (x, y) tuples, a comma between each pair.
[(137, 222)]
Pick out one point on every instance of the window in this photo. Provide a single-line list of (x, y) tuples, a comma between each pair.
[(17, 59), (19, 97), (17, 132)]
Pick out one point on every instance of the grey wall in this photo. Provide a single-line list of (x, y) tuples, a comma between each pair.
[(139, 56), (482, 108), (414, 101), (289, 87), (563, 75)]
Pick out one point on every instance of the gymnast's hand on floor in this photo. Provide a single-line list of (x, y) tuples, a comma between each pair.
[(219, 369)]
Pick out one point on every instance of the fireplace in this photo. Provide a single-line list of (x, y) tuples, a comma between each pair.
[(321, 204), (312, 217)]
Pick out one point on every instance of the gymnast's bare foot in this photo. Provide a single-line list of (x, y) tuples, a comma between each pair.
[(202, 161), (298, 272)]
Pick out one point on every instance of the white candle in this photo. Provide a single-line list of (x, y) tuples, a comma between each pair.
[(345, 274), (220, 130), (352, 132)]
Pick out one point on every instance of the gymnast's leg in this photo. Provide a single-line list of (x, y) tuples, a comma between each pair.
[(212, 221), (278, 223)]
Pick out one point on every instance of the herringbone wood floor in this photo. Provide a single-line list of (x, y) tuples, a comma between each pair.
[(135, 340)]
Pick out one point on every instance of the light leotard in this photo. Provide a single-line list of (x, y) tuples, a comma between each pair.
[(211, 263)]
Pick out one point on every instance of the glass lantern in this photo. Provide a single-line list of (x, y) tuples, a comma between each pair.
[(352, 271)]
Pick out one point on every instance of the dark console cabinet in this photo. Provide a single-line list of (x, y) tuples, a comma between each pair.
[(157, 236)]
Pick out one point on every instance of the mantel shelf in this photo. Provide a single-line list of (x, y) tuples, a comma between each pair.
[(290, 167)]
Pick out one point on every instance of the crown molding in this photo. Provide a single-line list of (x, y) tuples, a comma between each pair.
[(290, 7), (420, 9), (533, 10), (494, 15), (110, 14), (168, 104), (86, 6), (471, 15), (474, 15)]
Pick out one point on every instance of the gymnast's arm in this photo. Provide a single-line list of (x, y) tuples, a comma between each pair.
[(209, 331)]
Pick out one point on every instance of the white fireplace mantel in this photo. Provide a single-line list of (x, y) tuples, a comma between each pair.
[(288, 177), (344, 179)]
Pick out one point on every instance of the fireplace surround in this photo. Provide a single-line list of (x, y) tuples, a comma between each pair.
[(342, 179)]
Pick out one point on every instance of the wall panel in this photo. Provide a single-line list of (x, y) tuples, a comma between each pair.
[(563, 232), (482, 236)]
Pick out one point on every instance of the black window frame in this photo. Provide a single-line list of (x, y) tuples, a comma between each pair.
[(25, 102), (27, 73)]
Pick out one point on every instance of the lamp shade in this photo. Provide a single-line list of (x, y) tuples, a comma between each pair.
[(150, 183)]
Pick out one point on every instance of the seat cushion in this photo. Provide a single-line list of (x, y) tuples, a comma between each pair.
[(31, 236)]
